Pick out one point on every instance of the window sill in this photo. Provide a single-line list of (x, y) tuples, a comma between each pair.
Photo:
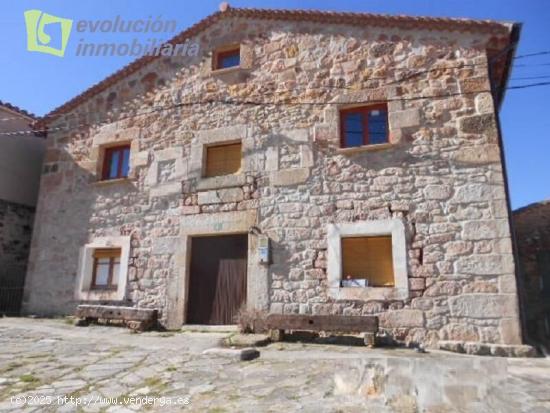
[(369, 293), (100, 295), (365, 148), (104, 182), (222, 181), (225, 70)]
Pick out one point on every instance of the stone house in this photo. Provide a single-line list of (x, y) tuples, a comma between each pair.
[(21, 154), (304, 162), (532, 230)]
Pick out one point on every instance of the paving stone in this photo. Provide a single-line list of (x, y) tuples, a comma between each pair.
[(291, 376)]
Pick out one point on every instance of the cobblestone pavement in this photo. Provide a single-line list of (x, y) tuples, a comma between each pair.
[(42, 361)]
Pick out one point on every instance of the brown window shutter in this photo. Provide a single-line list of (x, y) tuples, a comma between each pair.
[(223, 159), (107, 253), (368, 258)]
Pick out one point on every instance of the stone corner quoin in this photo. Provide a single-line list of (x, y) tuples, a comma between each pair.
[(441, 177)]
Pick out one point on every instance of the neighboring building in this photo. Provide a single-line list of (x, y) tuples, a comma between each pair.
[(304, 162), (532, 230), (21, 154)]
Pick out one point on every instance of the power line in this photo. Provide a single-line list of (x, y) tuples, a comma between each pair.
[(257, 103), (529, 85), (336, 87), (523, 56), (392, 82), (531, 77), (532, 65)]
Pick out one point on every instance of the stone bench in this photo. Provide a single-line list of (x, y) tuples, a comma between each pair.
[(139, 319), (366, 325)]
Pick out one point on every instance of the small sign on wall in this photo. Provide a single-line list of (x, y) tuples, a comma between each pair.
[(263, 249)]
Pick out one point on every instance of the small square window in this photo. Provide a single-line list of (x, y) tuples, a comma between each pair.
[(366, 125), (106, 269), (223, 159), (227, 58), (367, 262), (116, 162)]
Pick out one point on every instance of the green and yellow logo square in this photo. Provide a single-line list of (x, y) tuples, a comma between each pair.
[(37, 38)]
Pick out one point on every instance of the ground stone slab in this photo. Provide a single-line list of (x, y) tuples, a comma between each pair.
[(242, 354), (483, 349)]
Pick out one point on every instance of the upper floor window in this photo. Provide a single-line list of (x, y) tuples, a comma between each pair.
[(223, 159), (227, 58), (106, 269), (365, 125), (117, 162)]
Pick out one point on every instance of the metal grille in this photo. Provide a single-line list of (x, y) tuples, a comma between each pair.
[(10, 300)]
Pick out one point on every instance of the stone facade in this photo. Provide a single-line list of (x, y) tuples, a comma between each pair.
[(21, 156), (440, 175), (532, 230), (15, 239)]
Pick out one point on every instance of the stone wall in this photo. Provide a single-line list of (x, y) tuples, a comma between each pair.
[(441, 175), (532, 230), (15, 238)]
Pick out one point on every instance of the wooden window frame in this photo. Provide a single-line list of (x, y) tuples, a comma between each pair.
[(220, 54), (221, 145), (107, 157), (365, 111), (112, 254)]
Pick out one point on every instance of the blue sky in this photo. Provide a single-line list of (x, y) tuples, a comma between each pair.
[(38, 82)]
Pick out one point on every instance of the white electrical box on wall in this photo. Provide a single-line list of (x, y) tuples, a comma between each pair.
[(263, 249)]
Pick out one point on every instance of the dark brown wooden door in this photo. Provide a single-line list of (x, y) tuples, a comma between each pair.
[(217, 283)]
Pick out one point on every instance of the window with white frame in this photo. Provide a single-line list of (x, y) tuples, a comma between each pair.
[(367, 260), (103, 269)]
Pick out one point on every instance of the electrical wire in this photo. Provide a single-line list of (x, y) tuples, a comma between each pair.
[(280, 103)]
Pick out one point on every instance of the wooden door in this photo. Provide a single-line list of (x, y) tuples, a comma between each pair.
[(217, 282)]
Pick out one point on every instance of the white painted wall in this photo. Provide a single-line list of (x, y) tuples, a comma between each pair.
[(20, 160)]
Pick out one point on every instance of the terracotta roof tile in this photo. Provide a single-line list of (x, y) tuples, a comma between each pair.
[(18, 110)]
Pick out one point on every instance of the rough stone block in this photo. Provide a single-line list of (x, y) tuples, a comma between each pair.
[(477, 123), (477, 155), (402, 318), (485, 264), (475, 84), (416, 284), (306, 156), (483, 305), (231, 195), (139, 159), (288, 177), (296, 135), (165, 245), (478, 192), (480, 230), (510, 331), (438, 192), (190, 209), (166, 189), (484, 103), (405, 119), (208, 197), (507, 284), (451, 345), (272, 158)]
